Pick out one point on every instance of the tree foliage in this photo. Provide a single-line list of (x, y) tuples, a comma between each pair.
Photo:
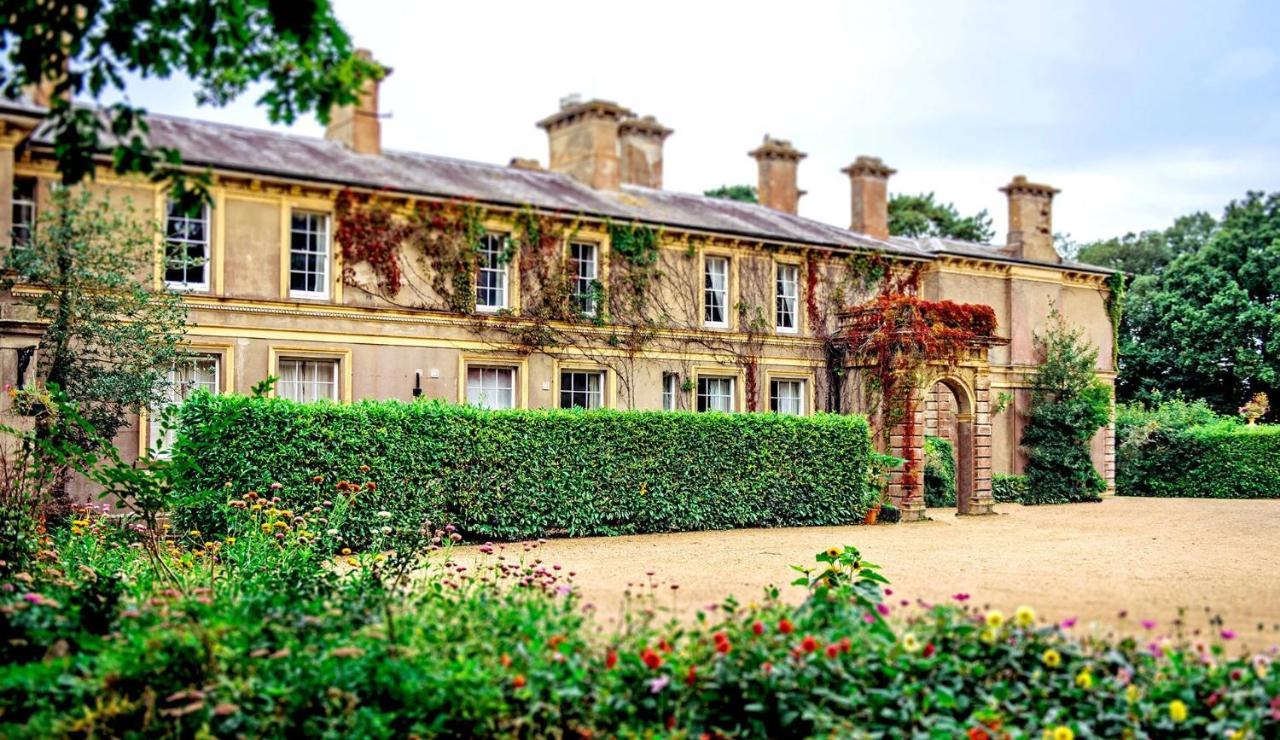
[(298, 49), (109, 338), (744, 193), (921, 215), (1208, 325), (1069, 404), (1149, 252)]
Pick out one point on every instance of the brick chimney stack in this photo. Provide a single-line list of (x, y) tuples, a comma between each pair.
[(584, 141), (641, 141), (778, 161), (869, 184), (1030, 220), (357, 126)]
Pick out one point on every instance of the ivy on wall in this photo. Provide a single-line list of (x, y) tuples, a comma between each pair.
[(1115, 311)]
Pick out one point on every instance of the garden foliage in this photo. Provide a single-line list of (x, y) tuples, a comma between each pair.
[(521, 473), (1008, 489), (1184, 449), (114, 632), (939, 472), (1069, 404)]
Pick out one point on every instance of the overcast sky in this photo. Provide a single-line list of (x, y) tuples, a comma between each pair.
[(1138, 111)]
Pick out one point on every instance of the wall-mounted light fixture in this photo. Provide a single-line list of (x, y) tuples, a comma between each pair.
[(417, 383)]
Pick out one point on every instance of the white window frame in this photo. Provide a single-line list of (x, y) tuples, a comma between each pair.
[(489, 262), (584, 273), (317, 228), (477, 389), (725, 387), (302, 382), (775, 400), (594, 397), (185, 243), (710, 290), (23, 211), (787, 298), (178, 392), (670, 391)]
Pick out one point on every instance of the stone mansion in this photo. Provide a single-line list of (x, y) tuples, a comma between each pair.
[(630, 297)]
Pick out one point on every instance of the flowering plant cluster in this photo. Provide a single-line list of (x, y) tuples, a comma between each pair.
[(264, 632)]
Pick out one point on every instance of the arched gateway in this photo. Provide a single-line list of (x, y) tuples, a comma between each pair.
[(902, 348)]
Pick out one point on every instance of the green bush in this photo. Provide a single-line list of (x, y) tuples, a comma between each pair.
[(939, 472), (1008, 489), (522, 473), (1219, 459)]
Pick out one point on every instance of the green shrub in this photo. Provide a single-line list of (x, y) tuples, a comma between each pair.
[(1008, 489), (1222, 459), (528, 473), (939, 472)]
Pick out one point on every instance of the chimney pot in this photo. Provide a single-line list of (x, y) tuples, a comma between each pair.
[(583, 138), (640, 140), (357, 126), (869, 186), (778, 161), (1031, 220)]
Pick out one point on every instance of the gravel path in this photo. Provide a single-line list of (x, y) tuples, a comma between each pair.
[(1149, 557)]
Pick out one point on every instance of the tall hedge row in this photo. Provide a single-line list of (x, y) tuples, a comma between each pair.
[(1220, 460), (528, 473), (939, 472)]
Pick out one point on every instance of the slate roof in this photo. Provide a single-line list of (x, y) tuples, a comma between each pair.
[(270, 153)]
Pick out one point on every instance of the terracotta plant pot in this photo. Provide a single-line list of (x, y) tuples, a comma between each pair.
[(872, 514)]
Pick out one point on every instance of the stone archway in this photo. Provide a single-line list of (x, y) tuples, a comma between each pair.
[(949, 414)]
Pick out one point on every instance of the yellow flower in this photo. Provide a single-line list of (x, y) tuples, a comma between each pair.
[(256, 507), (1131, 693), (1237, 734), (346, 551), (352, 561), (281, 525), (989, 636), (231, 540), (1084, 679), (1051, 658), (1061, 732), (1177, 710), (1025, 616), (266, 528), (76, 530), (995, 619), (194, 533), (833, 552), (910, 643)]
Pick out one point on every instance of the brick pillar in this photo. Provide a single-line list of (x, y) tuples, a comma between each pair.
[(908, 495), (982, 502), (1109, 458)]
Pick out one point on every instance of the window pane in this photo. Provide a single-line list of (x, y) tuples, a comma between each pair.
[(307, 380), (23, 213), (491, 272), (584, 270), (196, 373), (788, 291), (716, 290), (670, 387), (309, 254), (187, 248), (579, 389), (491, 387), (715, 394), (786, 396)]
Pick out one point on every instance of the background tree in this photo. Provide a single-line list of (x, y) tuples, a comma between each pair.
[(109, 339), (298, 49), (744, 193), (1208, 324), (921, 215), (1069, 404), (1149, 252)]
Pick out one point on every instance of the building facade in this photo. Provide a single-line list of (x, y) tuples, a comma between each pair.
[(581, 283)]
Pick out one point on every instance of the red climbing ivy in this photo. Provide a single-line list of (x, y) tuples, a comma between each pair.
[(368, 231)]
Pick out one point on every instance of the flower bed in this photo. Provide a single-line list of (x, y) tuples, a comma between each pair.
[(114, 632), (520, 474)]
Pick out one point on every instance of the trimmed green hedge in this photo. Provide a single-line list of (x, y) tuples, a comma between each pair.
[(1008, 489), (939, 472), (528, 473), (1225, 459)]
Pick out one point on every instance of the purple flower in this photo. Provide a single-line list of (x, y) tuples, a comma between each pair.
[(883, 609), (33, 598), (564, 590), (961, 597), (1148, 624), (658, 684), (1067, 624), (1228, 634)]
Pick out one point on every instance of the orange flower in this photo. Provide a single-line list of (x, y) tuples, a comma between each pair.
[(518, 681)]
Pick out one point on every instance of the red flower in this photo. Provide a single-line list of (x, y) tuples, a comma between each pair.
[(833, 650), (651, 658), (671, 722), (719, 637), (929, 650), (505, 660), (610, 659), (663, 646), (978, 733), (723, 647), (371, 486), (767, 667), (809, 643), (758, 627), (692, 677), (846, 645), (518, 681), (785, 626)]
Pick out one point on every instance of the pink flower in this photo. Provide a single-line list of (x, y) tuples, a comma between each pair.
[(1067, 624), (883, 609), (34, 598), (1148, 624), (1228, 634), (888, 592), (658, 684), (961, 597)]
